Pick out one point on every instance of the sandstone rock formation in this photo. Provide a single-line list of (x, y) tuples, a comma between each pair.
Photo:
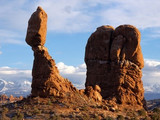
[(94, 93), (46, 79), (114, 61), (37, 28)]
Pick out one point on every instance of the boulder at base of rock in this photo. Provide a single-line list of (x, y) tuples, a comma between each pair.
[(94, 93)]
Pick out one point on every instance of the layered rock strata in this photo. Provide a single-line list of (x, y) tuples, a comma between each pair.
[(46, 79), (114, 61)]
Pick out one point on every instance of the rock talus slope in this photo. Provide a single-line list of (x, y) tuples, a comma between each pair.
[(114, 61), (46, 79)]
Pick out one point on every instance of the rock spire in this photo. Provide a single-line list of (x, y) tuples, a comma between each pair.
[(46, 79)]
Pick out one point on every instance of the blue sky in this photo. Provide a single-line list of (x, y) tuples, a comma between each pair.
[(70, 23)]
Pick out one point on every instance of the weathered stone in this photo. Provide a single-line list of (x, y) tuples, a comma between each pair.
[(98, 46), (94, 93), (46, 79), (37, 28), (116, 65), (130, 43)]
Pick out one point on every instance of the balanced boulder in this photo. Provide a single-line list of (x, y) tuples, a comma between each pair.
[(46, 79)]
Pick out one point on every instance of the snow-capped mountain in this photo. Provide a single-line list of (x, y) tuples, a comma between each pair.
[(152, 91), (20, 88), (14, 81)]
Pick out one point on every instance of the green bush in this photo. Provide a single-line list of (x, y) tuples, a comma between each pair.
[(142, 112), (120, 117), (156, 110), (155, 116), (134, 118), (3, 114), (55, 117), (109, 118), (37, 111), (18, 116)]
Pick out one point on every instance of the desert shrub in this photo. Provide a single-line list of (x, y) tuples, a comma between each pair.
[(96, 117), (120, 117), (5, 110), (147, 118), (84, 108), (142, 112), (36, 111), (53, 99), (134, 118), (55, 117), (85, 117), (131, 114), (156, 110), (25, 106), (18, 116), (109, 118), (155, 116), (3, 114), (49, 102), (15, 105)]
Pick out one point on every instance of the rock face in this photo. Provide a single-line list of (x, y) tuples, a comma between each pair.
[(46, 80), (114, 61), (94, 93), (37, 28)]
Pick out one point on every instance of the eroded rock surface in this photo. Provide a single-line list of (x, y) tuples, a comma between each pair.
[(94, 93), (37, 28), (46, 79), (114, 61)]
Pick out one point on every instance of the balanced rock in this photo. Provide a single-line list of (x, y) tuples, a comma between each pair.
[(37, 28), (114, 61), (46, 79)]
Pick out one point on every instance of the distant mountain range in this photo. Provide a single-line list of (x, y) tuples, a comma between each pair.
[(17, 88), (23, 88)]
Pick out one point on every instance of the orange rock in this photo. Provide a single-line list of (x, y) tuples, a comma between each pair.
[(37, 28), (94, 93), (11, 98), (46, 79), (114, 61), (131, 48), (98, 46)]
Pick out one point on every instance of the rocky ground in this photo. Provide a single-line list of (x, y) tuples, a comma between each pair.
[(77, 107)]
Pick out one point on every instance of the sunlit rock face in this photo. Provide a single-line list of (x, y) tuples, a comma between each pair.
[(46, 79), (114, 61)]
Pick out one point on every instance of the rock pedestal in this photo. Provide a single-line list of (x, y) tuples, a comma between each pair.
[(46, 79), (114, 61)]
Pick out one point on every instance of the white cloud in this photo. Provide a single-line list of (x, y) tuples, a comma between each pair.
[(0, 52), (81, 15), (66, 16), (11, 74), (151, 75), (15, 81), (140, 13), (77, 75), (151, 63), (15, 14), (11, 37), (88, 14)]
